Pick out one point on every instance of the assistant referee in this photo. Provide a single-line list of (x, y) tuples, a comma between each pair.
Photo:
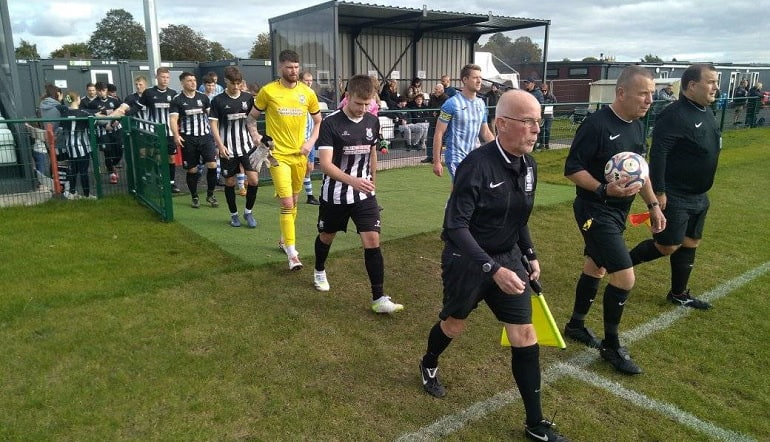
[(686, 143), (485, 234)]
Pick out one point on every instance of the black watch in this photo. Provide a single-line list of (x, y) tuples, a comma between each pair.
[(487, 267)]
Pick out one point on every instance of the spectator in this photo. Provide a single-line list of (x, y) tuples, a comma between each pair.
[(415, 89), (755, 100), (411, 132), (218, 89), (210, 86), (448, 89), (491, 100), (421, 117), (437, 99), (39, 154), (530, 85), (739, 97), (548, 100), (389, 94)]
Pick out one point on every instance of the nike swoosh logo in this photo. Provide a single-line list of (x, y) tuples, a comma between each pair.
[(612, 137), (698, 125), (537, 436), (494, 185), (431, 374)]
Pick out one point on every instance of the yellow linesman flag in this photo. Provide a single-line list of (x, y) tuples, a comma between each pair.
[(545, 326)]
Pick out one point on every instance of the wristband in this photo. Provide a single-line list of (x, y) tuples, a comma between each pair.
[(601, 192), (530, 254), (652, 204)]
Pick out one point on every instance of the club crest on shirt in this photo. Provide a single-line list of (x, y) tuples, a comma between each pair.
[(200, 103), (302, 99), (244, 105), (369, 133), (168, 97)]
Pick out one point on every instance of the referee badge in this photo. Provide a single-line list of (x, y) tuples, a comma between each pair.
[(587, 224)]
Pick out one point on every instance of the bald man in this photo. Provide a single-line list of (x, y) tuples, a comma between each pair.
[(485, 237)]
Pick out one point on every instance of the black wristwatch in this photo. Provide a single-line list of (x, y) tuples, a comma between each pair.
[(490, 267)]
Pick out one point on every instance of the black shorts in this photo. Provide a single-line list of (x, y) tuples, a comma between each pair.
[(171, 145), (685, 216), (196, 148), (465, 285), (334, 218), (602, 227), (231, 166)]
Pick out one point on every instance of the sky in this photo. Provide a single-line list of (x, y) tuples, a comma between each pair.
[(688, 30)]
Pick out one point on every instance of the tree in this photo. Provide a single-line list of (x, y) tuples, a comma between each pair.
[(590, 59), (72, 50), (520, 51), (526, 51), (218, 52), (180, 42), (118, 36), (649, 58), (262, 47), (27, 51)]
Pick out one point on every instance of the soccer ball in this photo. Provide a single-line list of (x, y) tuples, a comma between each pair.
[(627, 164)]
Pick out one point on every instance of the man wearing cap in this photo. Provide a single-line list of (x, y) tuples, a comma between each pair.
[(530, 85)]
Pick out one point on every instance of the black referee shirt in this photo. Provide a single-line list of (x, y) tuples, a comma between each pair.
[(601, 136), (493, 196), (686, 143)]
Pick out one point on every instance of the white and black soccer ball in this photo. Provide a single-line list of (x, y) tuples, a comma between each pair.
[(628, 164)]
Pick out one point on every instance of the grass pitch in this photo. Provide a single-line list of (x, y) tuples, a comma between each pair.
[(118, 327)]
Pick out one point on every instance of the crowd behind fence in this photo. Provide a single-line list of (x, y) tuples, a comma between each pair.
[(33, 169)]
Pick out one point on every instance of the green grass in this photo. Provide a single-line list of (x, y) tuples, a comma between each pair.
[(117, 326)]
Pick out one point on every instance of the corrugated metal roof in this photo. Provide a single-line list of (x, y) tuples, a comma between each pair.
[(362, 16)]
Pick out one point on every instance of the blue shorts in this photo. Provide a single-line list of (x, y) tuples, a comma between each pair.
[(311, 155)]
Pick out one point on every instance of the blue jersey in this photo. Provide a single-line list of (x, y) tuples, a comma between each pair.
[(464, 118)]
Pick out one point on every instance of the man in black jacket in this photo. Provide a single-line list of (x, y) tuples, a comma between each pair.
[(686, 143)]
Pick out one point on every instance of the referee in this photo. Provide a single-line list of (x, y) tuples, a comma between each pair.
[(601, 210), (685, 150), (485, 235)]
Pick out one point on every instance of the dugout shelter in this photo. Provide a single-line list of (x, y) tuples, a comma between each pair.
[(338, 39)]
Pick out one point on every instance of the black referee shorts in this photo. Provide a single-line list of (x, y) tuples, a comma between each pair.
[(196, 148), (685, 216), (602, 227), (465, 285), (334, 218)]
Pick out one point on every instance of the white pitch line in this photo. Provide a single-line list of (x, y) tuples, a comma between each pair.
[(663, 408), (453, 422)]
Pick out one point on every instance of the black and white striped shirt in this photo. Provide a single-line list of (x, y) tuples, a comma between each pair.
[(106, 106), (193, 113), (158, 103), (352, 143), (76, 133), (136, 108), (230, 113)]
